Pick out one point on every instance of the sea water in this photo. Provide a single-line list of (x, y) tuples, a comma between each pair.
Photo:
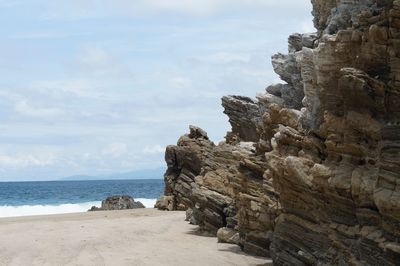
[(56, 197)]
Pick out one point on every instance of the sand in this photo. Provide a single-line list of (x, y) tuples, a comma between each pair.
[(134, 237)]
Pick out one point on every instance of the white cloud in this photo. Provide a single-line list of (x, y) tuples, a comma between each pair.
[(77, 87), (102, 8), (190, 7), (95, 57), (155, 149), (24, 108), (98, 119), (8, 4), (37, 35), (97, 61), (180, 83), (23, 161), (222, 58), (115, 149), (201, 7)]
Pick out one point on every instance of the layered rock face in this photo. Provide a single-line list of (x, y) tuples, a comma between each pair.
[(310, 173), (222, 186), (338, 171)]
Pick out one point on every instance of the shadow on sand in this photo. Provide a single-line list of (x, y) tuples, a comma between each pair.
[(236, 249), (228, 247), (197, 232)]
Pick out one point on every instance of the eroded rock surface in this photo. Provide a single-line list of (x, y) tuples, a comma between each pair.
[(310, 173), (118, 203), (222, 186), (337, 172)]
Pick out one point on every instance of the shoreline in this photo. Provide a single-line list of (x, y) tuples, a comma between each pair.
[(128, 237), (10, 211)]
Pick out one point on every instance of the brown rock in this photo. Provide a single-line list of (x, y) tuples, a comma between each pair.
[(165, 203), (310, 173)]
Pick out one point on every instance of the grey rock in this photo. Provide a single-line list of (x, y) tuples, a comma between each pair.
[(244, 115), (118, 203)]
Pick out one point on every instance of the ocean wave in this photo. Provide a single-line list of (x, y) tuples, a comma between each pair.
[(31, 210)]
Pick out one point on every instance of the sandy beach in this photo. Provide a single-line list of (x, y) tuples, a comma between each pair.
[(134, 237)]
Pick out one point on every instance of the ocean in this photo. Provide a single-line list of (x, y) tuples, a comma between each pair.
[(56, 197)]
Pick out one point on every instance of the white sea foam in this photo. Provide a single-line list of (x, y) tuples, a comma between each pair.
[(148, 203), (29, 210)]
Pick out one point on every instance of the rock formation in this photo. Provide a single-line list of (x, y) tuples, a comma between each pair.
[(310, 173), (118, 203), (223, 185)]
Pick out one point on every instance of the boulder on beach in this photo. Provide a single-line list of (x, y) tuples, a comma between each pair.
[(165, 203), (118, 203)]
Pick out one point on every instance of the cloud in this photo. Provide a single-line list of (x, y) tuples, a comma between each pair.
[(76, 87), (37, 35), (23, 161), (97, 61), (204, 7), (8, 4), (186, 7), (24, 108), (180, 82), (152, 150), (115, 149), (74, 94), (78, 9), (222, 58)]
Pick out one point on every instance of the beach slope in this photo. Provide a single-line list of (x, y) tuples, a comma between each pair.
[(133, 237)]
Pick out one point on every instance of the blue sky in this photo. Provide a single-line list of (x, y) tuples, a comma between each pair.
[(97, 87)]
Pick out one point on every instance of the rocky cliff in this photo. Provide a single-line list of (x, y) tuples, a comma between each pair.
[(310, 173)]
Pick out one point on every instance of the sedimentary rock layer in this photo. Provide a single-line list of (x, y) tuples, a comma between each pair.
[(310, 173), (222, 186), (337, 172)]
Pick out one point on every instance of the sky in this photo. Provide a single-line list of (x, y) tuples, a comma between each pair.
[(94, 87)]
